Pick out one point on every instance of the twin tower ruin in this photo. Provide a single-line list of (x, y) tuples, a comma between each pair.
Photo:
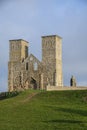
[(26, 71)]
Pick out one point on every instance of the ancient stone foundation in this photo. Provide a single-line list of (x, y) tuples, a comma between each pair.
[(59, 88)]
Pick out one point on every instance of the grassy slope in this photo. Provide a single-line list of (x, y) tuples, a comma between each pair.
[(60, 110)]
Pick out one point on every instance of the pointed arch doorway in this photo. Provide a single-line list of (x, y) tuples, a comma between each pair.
[(33, 83)]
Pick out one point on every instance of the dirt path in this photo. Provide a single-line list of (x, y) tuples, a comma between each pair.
[(30, 97)]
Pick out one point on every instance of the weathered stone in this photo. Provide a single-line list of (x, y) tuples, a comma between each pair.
[(26, 71), (52, 60)]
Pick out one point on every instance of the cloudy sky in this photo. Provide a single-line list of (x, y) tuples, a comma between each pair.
[(31, 19)]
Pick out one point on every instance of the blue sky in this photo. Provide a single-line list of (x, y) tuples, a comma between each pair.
[(31, 19)]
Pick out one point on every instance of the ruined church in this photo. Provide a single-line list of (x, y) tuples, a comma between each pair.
[(26, 71)]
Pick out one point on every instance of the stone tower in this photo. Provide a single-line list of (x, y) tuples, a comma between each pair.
[(52, 60), (18, 52), (26, 71)]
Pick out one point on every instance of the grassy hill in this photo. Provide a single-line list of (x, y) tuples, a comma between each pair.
[(40, 110)]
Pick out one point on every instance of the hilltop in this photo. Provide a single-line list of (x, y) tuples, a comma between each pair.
[(41, 110)]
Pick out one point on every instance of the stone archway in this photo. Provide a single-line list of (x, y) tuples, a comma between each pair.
[(33, 83)]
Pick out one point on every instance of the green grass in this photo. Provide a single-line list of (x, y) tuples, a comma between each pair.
[(56, 110)]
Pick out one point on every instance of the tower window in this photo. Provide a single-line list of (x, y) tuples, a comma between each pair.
[(26, 51), (27, 66)]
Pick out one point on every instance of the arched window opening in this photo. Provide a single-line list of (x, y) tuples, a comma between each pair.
[(27, 66), (35, 66)]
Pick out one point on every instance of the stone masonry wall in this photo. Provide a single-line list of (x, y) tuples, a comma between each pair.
[(26, 71), (52, 60)]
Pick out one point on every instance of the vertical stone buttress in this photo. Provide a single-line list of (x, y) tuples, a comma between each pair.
[(18, 52), (52, 60)]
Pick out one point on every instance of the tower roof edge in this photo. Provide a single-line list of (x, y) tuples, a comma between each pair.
[(19, 40), (52, 36)]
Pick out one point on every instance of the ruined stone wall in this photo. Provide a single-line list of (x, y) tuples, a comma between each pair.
[(14, 75), (32, 69), (28, 72), (59, 88)]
